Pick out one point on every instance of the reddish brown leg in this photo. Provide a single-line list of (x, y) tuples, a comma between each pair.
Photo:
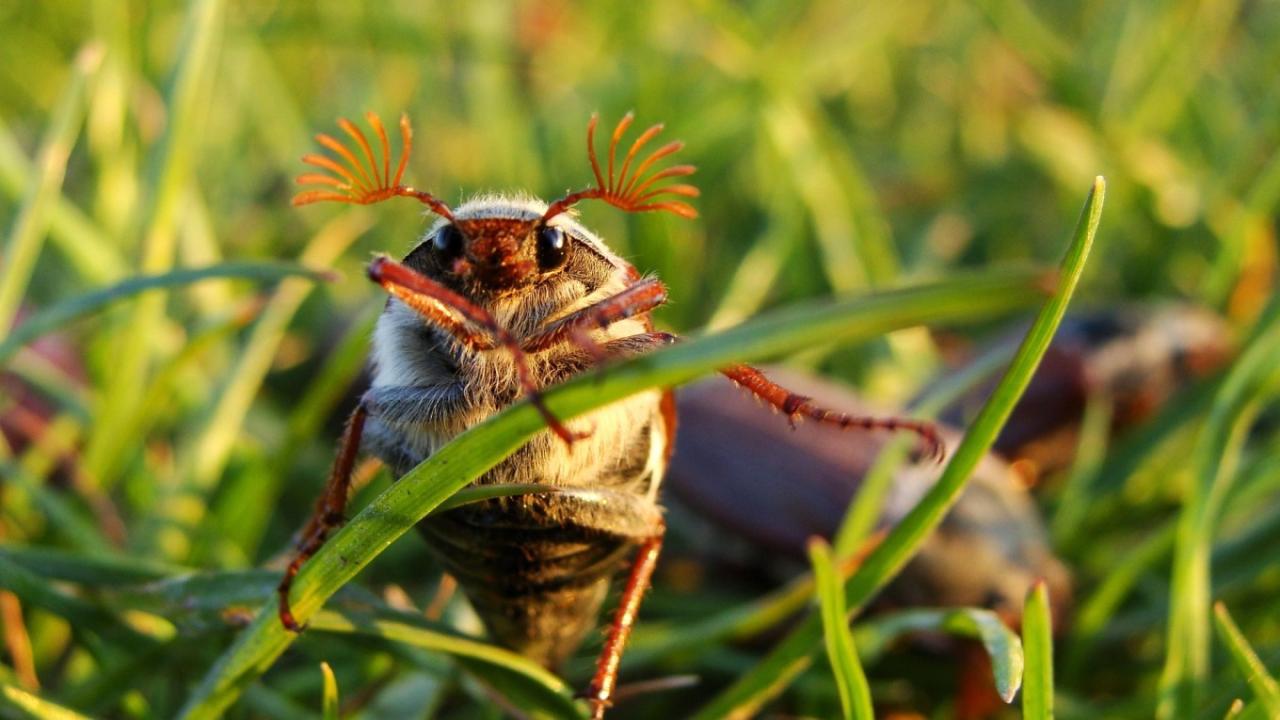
[(469, 323), (639, 298), (798, 406), (600, 692), (328, 515)]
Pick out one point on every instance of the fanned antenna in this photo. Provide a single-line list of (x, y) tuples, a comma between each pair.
[(629, 189), (362, 180)]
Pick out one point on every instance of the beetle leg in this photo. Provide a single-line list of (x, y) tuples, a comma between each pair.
[(328, 514), (600, 692), (796, 406), (469, 323), (636, 299)]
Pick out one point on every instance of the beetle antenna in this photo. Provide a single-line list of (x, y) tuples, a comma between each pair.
[(360, 181), (630, 189)]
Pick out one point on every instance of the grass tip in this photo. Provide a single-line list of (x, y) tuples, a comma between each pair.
[(90, 56)]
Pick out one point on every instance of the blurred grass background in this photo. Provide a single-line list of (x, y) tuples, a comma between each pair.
[(839, 148)]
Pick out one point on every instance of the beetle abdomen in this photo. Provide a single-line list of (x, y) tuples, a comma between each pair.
[(538, 589)]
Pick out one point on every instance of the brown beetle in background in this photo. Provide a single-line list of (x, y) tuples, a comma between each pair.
[(776, 489), (502, 297), (735, 473)]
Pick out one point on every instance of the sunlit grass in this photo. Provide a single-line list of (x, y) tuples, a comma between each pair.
[(188, 370)]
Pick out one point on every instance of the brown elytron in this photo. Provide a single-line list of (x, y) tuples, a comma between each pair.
[(502, 297)]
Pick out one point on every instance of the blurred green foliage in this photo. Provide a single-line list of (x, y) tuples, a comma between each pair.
[(841, 146)]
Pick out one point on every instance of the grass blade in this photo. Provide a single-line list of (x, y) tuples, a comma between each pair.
[(329, 707), (1037, 638), (1264, 686), (1002, 645), (855, 694), (1213, 467), (28, 704), (32, 222), (793, 654), (55, 316), (523, 681), (470, 454)]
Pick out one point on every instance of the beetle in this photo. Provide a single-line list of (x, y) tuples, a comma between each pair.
[(503, 296)]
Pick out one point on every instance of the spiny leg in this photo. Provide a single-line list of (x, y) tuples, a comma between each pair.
[(328, 514), (469, 323), (796, 406), (793, 405), (600, 693)]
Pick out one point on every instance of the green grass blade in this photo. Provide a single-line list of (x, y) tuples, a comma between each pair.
[(1037, 638), (86, 248), (205, 457), (329, 706), (864, 510), (28, 704), (1264, 686), (855, 693), (1214, 461), (85, 569), (32, 222), (171, 171), (56, 316), (470, 454), (1002, 645), (523, 681), (793, 654)]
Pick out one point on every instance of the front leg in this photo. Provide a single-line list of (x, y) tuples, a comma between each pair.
[(329, 513), (636, 299)]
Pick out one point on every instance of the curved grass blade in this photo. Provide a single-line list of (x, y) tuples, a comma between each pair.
[(1002, 645), (425, 487), (851, 681), (55, 316), (1247, 661), (1037, 638), (28, 704), (773, 674), (329, 706), (524, 682)]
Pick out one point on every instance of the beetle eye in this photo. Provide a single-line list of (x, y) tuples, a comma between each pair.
[(447, 242), (553, 247)]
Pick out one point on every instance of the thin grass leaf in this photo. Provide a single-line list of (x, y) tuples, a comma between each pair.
[(206, 456), (475, 451), (82, 614), (865, 509), (56, 316), (329, 706), (85, 247), (772, 675), (171, 170), (1002, 645), (520, 680), (29, 704), (1255, 374), (1246, 659), (851, 681), (1101, 605), (26, 238), (84, 569), (1037, 639), (245, 504)]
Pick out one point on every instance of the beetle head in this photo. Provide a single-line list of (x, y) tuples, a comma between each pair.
[(489, 249)]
